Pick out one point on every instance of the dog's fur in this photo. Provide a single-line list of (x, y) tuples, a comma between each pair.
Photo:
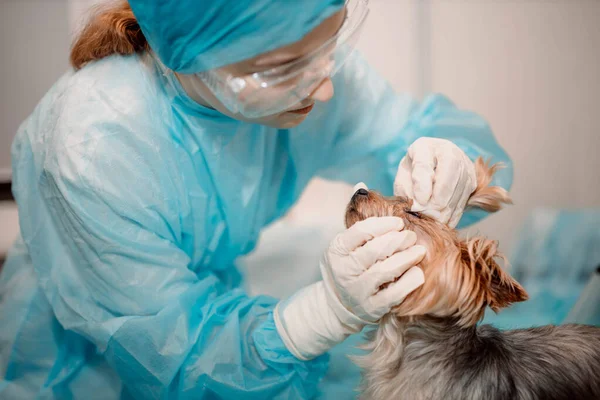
[(430, 347)]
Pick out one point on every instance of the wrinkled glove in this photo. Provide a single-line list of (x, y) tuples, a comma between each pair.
[(439, 177), (371, 253)]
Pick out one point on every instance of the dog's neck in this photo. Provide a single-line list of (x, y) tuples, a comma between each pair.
[(427, 330), (434, 331), (406, 353)]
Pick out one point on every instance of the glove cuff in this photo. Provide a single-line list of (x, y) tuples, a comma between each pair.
[(309, 324)]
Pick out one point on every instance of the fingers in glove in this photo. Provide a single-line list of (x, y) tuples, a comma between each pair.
[(395, 293), (423, 170), (364, 231), (458, 212), (383, 247), (466, 186), (394, 267), (449, 174)]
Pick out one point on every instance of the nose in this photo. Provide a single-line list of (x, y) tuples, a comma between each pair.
[(360, 194), (324, 92)]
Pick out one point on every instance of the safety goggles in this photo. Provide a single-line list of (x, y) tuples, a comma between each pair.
[(281, 88)]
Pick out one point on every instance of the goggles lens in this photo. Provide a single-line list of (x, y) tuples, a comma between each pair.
[(283, 87)]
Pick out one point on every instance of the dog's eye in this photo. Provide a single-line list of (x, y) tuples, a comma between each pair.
[(414, 213)]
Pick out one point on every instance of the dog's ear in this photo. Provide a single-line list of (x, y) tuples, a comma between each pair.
[(498, 288), (488, 198), (504, 290)]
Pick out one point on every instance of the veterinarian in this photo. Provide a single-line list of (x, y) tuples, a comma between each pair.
[(155, 162)]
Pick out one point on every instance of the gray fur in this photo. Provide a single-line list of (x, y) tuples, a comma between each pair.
[(429, 358)]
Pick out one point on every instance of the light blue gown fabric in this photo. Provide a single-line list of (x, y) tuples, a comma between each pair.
[(135, 202), (193, 36)]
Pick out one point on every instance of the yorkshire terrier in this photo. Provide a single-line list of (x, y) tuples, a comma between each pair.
[(430, 346)]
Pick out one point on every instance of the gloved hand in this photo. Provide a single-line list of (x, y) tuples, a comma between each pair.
[(439, 177), (359, 261)]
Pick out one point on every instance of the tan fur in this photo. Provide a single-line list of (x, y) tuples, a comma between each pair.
[(488, 198), (462, 277), (112, 29)]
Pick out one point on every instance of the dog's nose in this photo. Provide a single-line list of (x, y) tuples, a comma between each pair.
[(362, 192)]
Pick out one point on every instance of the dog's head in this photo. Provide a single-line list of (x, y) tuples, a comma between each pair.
[(462, 277)]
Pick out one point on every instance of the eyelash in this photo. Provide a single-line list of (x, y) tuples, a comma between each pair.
[(414, 213)]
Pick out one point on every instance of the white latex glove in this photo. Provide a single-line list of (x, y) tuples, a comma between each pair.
[(439, 177), (359, 260)]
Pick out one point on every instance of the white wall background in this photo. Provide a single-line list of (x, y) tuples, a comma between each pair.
[(529, 66), (532, 68), (33, 54)]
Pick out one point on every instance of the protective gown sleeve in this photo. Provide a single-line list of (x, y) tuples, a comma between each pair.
[(117, 275), (377, 125)]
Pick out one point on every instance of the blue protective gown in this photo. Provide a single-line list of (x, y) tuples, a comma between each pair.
[(134, 203)]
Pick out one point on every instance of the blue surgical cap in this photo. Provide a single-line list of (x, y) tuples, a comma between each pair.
[(197, 35)]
